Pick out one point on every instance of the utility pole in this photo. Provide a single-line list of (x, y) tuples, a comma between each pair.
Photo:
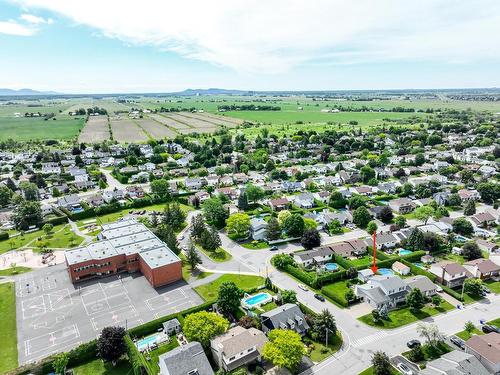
[(374, 265)]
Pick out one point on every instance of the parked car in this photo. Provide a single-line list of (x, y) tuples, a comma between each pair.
[(404, 369), (273, 248), (486, 290), (458, 342), (303, 287), (489, 328), (319, 297), (413, 343)]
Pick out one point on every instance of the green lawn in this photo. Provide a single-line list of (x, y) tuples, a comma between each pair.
[(367, 259), (495, 322), (152, 357), (401, 317), (98, 367), (220, 255), (338, 289), (255, 245), (369, 371), (494, 286), (269, 306), (320, 352), (8, 353), (14, 271), (464, 335), (186, 270), (246, 282), (25, 129)]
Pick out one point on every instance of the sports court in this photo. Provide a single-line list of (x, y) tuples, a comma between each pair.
[(54, 315)]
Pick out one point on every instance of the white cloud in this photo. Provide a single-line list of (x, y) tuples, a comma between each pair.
[(14, 28), (276, 35), (30, 18)]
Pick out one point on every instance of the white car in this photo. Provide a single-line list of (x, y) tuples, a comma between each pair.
[(303, 287), (404, 369)]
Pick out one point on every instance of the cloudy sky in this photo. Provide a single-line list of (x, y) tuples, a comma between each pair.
[(91, 46)]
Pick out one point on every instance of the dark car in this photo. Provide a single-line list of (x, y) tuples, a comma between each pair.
[(413, 343), (319, 297), (488, 329), (458, 342)]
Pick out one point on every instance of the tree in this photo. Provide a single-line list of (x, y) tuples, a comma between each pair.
[(419, 159), (204, 326), (282, 216), (367, 173), (371, 227), (407, 190), (47, 228), (282, 260), (254, 193), (197, 226), (192, 256), (337, 200), (386, 214), (30, 191), (436, 300), (210, 239), (356, 201), (160, 188), (228, 300), (381, 364), (400, 221), (284, 349), (473, 287), (469, 327), (470, 208), (489, 191), (415, 299), (350, 296), (310, 223), (335, 227), (215, 213), (238, 224), (432, 242), (376, 317), (471, 251), (416, 354), (173, 215), (111, 343), (294, 225), (273, 229), (415, 240), (454, 200), (310, 239), (167, 235), (324, 322), (248, 322), (60, 362), (5, 195), (26, 214), (361, 217), (462, 226), (289, 296), (430, 332), (423, 213), (243, 202)]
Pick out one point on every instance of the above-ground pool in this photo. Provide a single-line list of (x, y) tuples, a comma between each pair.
[(256, 300), (147, 342), (331, 266), (385, 271), (404, 252)]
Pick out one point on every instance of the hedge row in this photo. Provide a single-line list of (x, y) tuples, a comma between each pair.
[(419, 271), (4, 236), (330, 277), (343, 262), (56, 220), (341, 301), (303, 276), (137, 361), (452, 293), (415, 256)]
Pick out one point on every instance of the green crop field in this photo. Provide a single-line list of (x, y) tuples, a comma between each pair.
[(25, 129)]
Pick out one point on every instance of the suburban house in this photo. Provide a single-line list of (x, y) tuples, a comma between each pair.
[(365, 275), (382, 290), (316, 256), (342, 249), (193, 183), (237, 347), (449, 274), (358, 246), (304, 200), (279, 204), (400, 268), (287, 316), (322, 196), (487, 246), (402, 205), (482, 268), (258, 229), (455, 362), (483, 219), (423, 283), (70, 202), (185, 359), (172, 327), (384, 241), (468, 195), (486, 348)]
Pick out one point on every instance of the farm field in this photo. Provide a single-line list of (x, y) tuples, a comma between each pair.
[(155, 129), (170, 122), (212, 119), (25, 129), (126, 131), (96, 130)]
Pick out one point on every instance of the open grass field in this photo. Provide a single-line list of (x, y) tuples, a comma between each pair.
[(96, 130), (98, 367), (127, 131), (371, 371), (8, 353), (210, 290), (14, 271), (25, 129), (401, 317)]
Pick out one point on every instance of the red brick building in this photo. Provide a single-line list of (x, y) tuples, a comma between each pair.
[(125, 246)]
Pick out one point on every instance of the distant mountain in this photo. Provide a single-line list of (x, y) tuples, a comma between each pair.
[(212, 91), (25, 92)]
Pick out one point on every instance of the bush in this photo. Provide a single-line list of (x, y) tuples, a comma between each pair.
[(452, 293), (135, 358), (328, 278), (56, 220), (4, 236), (343, 262), (303, 276)]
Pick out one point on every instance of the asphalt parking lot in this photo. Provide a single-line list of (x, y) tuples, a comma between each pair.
[(54, 315)]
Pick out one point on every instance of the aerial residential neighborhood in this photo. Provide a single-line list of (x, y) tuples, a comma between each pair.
[(334, 210)]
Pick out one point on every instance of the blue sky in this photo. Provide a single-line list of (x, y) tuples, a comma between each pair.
[(156, 46)]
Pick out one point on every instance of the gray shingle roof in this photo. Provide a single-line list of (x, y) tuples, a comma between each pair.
[(184, 359)]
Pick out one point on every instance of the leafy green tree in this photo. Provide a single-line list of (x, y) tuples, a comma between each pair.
[(324, 322), (102, 184), (419, 159), (386, 214), (173, 215), (160, 188), (30, 191), (381, 364), (5, 195), (470, 208), (415, 299), (60, 362), (215, 213), (415, 240), (243, 202), (454, 200), (400, 221), (469, 327), (371, 227), (471, 251), (337, 200), (47, 228), (473, 287), (282, 216), (376, 317), (167, 235), (310, 223), (432, 242), (192, 256), (254, 192), (310, 239), (289, 296), (462, 226), (361, 217), (407, 190), (282, 260), (111, 343), (228, 300), (284, 349), (210, 239), (350, 296), (357, 201), (197, 226), (273, 229), (489, 191), (294, 225), (436, 300), (26, 214), (238, 224), (424, 213), (335, 227), (416, 354), (367, 173), (204, 326)]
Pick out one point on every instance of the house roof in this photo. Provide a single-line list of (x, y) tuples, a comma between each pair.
[(357, 244), (487, 346), (239, 339), (283, 313), (186, 358), (341, 248), (310, 254), (483, 265), (455, 363), (421, 282), (400, 266), (453, 268)]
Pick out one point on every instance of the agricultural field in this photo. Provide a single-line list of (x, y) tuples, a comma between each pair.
[(155, 129), (26, 129), (127, 131), (96, 130), (170, 122)]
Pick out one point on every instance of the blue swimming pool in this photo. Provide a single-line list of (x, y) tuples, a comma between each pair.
[(331, 266), (146, 342), (404, 252), (419, 265), (385, 271), (257, 299)]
